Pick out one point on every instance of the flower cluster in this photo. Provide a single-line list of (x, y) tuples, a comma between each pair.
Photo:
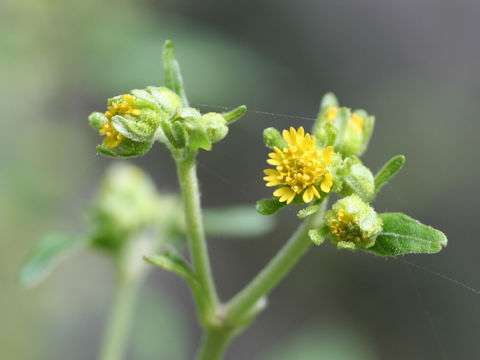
[(309, 167), (353, 223)]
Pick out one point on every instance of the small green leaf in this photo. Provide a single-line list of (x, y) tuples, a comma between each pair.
[(172, 261), (269, 206), (236, 221), (317, 236), (48, 252), (235, 114), (403, 235), (309, 210), (388, 171), (172, 73)]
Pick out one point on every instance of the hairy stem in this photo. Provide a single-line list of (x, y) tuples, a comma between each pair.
[(117, 330), (274, 271), (196, 236), (214, 344)]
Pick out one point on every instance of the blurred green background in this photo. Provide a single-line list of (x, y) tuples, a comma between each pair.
[(414, 64)]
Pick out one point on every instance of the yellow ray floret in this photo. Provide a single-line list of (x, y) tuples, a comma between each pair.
[(299, 167), (126, 107)]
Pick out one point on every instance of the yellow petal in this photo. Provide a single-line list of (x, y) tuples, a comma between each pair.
[(315, 192), (286, 136), (326, 183), (274, 162), (270, 172), (272, 183), (308, 195)]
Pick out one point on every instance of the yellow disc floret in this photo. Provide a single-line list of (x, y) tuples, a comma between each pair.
[(345, 228), (299, 167), (126, 107)]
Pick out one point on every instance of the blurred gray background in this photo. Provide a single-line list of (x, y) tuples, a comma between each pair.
[(414, 64)]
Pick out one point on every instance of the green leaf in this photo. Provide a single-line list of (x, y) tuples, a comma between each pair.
[(403, 235), (388, 171), (47, 253), (235, 114), (269, 206), (236, 221), (172, 261), (172, 73)]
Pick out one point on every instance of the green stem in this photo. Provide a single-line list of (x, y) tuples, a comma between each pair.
[(196, 236), (214, 344), (118, 327), (274, 271)]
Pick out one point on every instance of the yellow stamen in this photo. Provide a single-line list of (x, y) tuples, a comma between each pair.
[(112, 137)]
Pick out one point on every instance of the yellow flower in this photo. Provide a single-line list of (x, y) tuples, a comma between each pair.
[(356, 122), (299, 167), (126, 107)]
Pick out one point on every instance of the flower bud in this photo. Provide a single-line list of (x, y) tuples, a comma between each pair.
[(215, 126), (272, 138), (353, 224), (348, 132), (356, 178), (127, 201)]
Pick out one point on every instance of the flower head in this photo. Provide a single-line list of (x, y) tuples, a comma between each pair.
[(299, 167), (125, 107), (353, 223)]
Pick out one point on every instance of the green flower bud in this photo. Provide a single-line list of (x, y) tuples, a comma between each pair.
[(128, 202), (272, 138), (356, 178), (215, 126), (132, 120), (348, 132), (353, 224)]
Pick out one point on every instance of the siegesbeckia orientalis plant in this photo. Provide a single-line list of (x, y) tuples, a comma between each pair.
[(304, 168)]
